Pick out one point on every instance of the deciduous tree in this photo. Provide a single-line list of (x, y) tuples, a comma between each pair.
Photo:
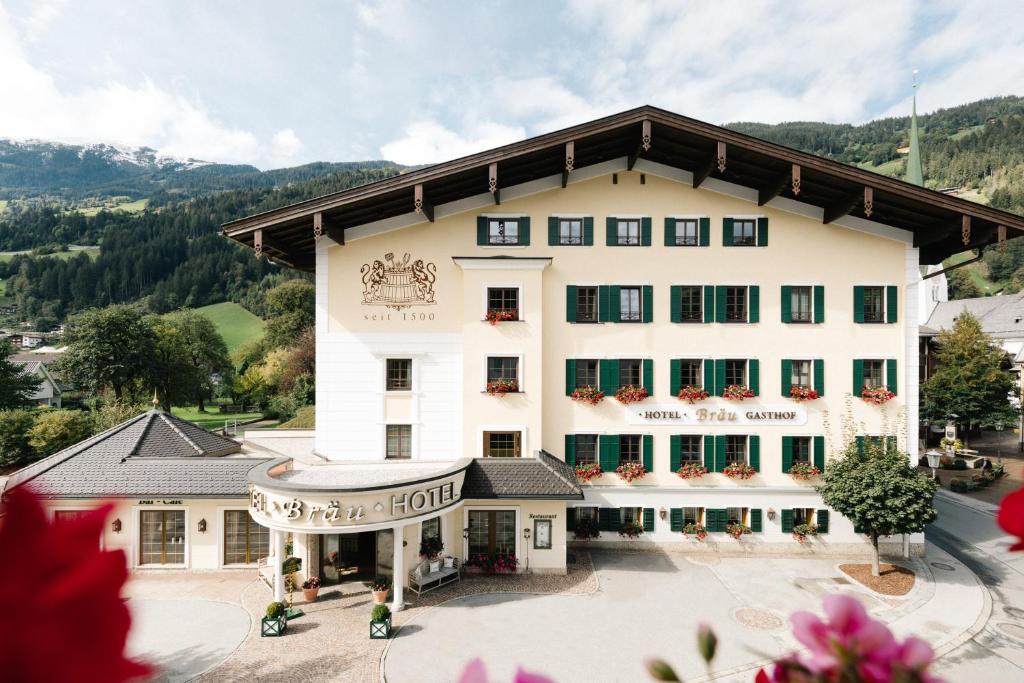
[(109, 347), (292, 309), (55, 430)]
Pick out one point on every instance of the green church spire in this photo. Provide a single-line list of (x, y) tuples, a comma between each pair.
[(914, 173)]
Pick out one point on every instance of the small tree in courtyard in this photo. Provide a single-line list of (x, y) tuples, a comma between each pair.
[(879, 492)]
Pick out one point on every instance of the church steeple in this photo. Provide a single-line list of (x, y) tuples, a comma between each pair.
[(914, 173)]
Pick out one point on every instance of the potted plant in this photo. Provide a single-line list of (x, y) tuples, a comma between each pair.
[(697, 530), (736, 530), (500, 387), (739, 470), (310, 588), (505, 563), (497, 315), (803, 471), (380, 622), (802, 531), (379, 589), (477, 564), (586, 472), (431, 548), (799, 393), (692, 394), (737, 392), (586, 529), (692, 470), (275, 622), (588, 394), (630, 394), (630, 530), (877, 395), (630, 471)]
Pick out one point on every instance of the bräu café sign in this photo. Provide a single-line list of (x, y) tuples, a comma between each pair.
[(752, 414)]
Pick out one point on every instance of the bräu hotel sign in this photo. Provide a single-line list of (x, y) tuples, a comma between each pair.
[(752, 415)]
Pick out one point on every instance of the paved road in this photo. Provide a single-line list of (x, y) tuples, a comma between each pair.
[(970, 534)]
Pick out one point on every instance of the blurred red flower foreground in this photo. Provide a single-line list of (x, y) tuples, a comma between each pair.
[(1011, 517), (65, 617)]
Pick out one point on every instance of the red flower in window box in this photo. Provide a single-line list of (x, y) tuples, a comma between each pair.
[(630, 394), (500, 387), (631, 471), (631, 530), (803, 471), (692, 394), (801, 532), (588, 394), (587, 472), (737, 530), (877, 395), (798, 393), (497, 315), (737, 392), (739, 471), (697, 530), (692, 470)]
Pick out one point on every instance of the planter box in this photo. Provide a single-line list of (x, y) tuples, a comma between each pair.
[(380, 629), (273, 627)]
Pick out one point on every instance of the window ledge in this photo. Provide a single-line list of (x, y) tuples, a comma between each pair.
[(507, 392), (517, 320)]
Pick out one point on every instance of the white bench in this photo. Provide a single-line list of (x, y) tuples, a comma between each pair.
[(422, 580)]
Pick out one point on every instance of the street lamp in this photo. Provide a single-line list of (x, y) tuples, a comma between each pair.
[(934, 458)]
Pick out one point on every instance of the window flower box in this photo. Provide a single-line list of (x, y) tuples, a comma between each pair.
[(630, 394), (737, 530), (739, 470), (631, 530), (505, 563), (588, 394), (586, 529), (798, 393), (801, 532), (500, 387), (495, 316), (380, 622), (431, 548), (803, 471), (737, 392), (631, 471), (587, 472), (696, 530), (692, 394), (877, 395), (692, 470)]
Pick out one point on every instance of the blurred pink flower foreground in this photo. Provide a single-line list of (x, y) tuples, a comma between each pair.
[(475, 672)]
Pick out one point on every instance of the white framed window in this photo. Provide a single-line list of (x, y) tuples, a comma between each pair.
[(503, 231)]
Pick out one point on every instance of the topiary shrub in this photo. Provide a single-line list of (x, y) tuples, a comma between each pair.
[(380, 613), (275, 610)]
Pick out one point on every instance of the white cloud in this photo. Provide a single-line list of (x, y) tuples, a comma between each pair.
[(424, 142), (285, 148)]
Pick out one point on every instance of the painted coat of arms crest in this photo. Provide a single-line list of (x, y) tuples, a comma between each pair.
[(398, 284)]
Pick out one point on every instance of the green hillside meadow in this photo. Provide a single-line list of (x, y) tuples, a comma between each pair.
[(235, 324)]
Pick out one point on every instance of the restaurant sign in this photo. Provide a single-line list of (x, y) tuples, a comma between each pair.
[(738, 415)]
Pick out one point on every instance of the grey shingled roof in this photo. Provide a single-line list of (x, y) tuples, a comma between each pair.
[(1001, 317), (542, 477), (153, 454)]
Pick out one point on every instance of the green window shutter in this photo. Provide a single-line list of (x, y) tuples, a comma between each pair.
[(727, 232), (891, 304), (647, 295), (819, 452), (676, 304), (787, 521), (552, 230), (570, 376), (822, 521), (648, 519), (570, 303), (645, 231), (570, 519), (787, 304), (719, 376), (675, 519), (858, 304), (787, 376), (787, 453), (524, 231), (720, 304), (755, 521), (675, 460), (709, 376), (719, 453), (709, 452), (647, 368), (570, 449), (709, 304), (609, 447), (754, 304), (608, 519), (481, 230), (858, 376), (611, 231), (819, 375), (675, 376), (891, 375), (614, 303), (670, 232), (754, 376), (754, 446), (859, 440), (721, 519), (819, 304), (762, 231), (604, 304), (609, 375), (705, 231), (648, 452), (588, 231)]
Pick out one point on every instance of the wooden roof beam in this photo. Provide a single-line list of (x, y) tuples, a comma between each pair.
[(324, 226), (570, 160), (492, 183), (717, 160), (842, 207), (420, 205), (643, 146), (770, 191)]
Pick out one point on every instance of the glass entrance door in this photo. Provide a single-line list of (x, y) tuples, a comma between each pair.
[(492, 532), (348, 556), (162, 537)]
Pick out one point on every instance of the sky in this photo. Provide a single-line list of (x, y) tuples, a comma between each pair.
[(277, 84)]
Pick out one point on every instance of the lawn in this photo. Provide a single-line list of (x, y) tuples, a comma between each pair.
[(212, 418), (136, 206), (893, 167), (235, 324), (978, 272), (72, 252), (305, 418)]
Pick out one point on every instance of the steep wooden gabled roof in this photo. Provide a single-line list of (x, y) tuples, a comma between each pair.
[(937, 221)]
